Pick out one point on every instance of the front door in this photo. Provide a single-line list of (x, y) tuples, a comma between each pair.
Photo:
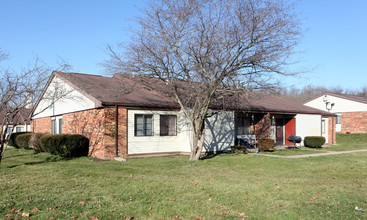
[(279, 122), (290, 129), (324, 129)]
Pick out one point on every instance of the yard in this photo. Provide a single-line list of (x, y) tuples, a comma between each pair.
[(42, 186)]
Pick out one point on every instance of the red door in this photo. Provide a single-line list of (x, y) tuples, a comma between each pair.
[(290, 128)]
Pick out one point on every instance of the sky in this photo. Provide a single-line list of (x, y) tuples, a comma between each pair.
[(332, 51)]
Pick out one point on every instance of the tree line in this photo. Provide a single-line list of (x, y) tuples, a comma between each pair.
[(308, 92)]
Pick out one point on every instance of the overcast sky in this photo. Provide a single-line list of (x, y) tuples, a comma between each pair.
[(333, 49)]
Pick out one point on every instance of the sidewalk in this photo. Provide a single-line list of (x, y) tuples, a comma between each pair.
[(327, 153)]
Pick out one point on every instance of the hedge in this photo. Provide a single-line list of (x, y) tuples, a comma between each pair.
[(314, 141), (12, 139), (34, 142), (65, 145), (265, 144), (22, 140)]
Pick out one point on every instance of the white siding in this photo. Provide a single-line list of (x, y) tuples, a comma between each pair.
[(155, 143), (341, 105), (219, 132), (308, 125), (70, 101)]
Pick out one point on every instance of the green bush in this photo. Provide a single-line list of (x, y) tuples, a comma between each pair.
[(314, 141), (34, 142), (265, 144), (22, 140), (65, 145), (238, 149), (12, 139)]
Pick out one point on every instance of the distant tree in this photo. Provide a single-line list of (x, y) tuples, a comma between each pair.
[(207, 49), (19, 90), (308, 92)]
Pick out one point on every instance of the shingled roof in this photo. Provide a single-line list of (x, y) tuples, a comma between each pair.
[(124, 90), (22, 117), (116, 90)]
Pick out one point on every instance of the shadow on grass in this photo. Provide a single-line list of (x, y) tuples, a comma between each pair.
[(20, 155), (211, 155), (47, 160)]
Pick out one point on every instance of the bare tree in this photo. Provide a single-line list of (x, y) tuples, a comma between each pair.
[(19, 90), (204, 50)]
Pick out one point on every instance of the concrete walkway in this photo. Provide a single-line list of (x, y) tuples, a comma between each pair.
[(327, 153)]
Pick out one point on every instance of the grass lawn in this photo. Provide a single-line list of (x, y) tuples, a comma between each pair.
[(345, 142), (43, 186)]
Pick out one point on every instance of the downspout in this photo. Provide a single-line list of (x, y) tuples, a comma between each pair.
[(332, 130), (116, 130)]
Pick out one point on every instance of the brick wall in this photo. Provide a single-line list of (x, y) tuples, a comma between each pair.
[(354, 122), (88, 123), (261, 127), (331, 130), (98, 125), (41, 125), (109, 125)]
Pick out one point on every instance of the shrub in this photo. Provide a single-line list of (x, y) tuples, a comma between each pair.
[(65, 145), (238, 149), (314, 141), (34, 142), (22, 140), (265, 144), (12, 139)]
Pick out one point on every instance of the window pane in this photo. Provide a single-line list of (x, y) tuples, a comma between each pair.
[(172, 125), (148, 125), (139, 125), (339, 119), (60, 126), (168, 125), (9, 130), (53, 126), (164, 125)]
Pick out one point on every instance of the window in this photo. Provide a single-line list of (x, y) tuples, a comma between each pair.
[(60, 125), (18, 129), (56, 125), (243, 125), (168, 125), (9, 130), (143, 125), (323, 126), (53, 126), (338, 119)]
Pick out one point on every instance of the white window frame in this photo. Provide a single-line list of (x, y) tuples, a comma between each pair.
[(56, 125)]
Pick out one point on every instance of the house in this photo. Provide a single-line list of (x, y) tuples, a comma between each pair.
[(351, 110), (19, 122), (122, 118)]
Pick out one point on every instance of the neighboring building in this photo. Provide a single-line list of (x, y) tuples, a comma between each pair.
[(351, 110), (19, 123), (149, 122)]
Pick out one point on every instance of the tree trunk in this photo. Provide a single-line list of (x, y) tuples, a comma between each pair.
[(197, 142)]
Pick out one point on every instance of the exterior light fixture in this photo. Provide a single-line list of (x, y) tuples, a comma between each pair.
[(328, 104)]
